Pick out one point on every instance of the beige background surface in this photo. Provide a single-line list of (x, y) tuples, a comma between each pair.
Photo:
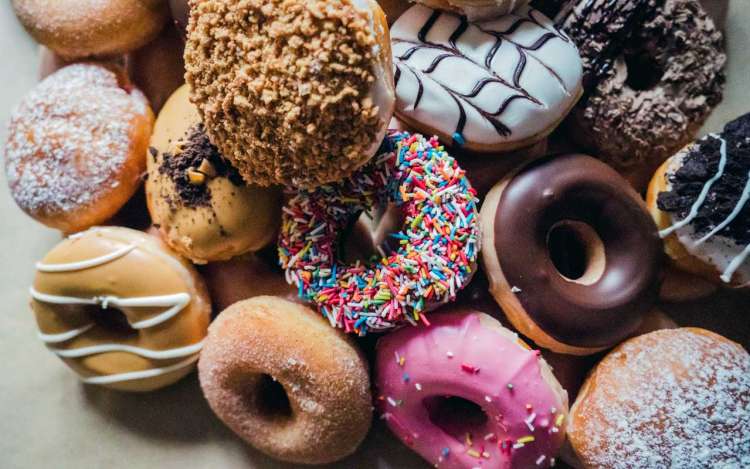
[(48, 419)]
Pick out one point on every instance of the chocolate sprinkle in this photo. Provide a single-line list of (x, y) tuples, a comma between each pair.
[(195, 148), (698, 166)]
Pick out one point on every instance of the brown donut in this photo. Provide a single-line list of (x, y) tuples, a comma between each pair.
[(280, 377), (77, 145), (85, 28), (675, 398), (571, 253)]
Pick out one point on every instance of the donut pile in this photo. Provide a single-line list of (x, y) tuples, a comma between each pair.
[(465, 180)]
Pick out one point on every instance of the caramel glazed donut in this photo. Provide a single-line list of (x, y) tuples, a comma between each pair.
[(83, 28), (120, 309), (571, 253), (653, 73), (279, 376)]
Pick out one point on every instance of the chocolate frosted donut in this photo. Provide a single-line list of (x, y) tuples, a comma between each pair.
[(571, 253)]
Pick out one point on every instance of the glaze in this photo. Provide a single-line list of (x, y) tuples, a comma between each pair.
[(483, 84)]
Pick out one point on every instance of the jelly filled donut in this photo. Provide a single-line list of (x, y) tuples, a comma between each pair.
[(652, 80), (571, 253), (120, 309), (201, 205), (487, 86), (287, 383), (438, 242), (77, 145), (84, 28), (676, 398), (700, 200), (301, 112), (466, 392)]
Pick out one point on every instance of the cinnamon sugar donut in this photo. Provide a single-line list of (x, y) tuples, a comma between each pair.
[(286, 382), (120, 309), (677, 398), (85, 28), (76, 146)]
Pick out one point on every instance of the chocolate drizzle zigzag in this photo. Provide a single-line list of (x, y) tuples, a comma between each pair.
[(422, 52)]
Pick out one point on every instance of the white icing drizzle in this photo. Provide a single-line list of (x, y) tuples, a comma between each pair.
[(87, 264), (730, 218), (64, 336), (134, 375), (735, 264), (176, 302), (143, 352), (703, 194)]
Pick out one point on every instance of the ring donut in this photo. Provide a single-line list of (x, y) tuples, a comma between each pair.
[(652, 78), (120, 309), (288, 384), (438, 243), (571, 253)]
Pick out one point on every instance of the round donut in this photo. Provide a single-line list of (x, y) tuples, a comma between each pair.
[(571, 253), (671, 398), (120, 309), (77, 145), (466, 392), (302, 112), (700, 200), (201, 205), (652, 80), (85, 28), (439, 240), (305, 400), (488, 86)]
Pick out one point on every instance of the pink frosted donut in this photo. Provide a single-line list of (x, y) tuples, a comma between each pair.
[(466, 392)]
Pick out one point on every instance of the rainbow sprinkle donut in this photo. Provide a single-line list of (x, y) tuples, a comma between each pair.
[(439, 241)]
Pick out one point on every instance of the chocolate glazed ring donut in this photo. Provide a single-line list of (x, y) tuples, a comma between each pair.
[(571, 253)]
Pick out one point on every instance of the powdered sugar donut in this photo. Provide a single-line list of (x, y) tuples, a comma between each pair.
[(466, 392), (677, 398), (77, 145), (489, 86), (437, 244)]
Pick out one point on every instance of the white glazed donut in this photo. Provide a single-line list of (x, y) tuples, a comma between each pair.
[(488, 86)]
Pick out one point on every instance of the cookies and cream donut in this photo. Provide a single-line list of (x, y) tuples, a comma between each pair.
[(120, 309), (84, 28), (571, 253), (700, 199), (647, 94), (487, 86), (304, 111), (466, 392), (277, 375), (676, 398), (201, 205), (76, 147)]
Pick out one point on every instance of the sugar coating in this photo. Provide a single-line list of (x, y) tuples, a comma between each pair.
[(283, 87), (678, 399), (69, 138)]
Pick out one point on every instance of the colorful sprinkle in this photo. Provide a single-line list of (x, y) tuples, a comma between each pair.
[(439, 241)]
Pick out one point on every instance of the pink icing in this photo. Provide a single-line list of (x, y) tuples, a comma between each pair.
[(470, 356)]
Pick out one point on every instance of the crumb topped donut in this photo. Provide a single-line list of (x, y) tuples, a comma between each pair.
[(293, 92), (676, 398), (84, 28), (120, 309), (700, 199), (285, 382), (201, 205), (76, 146)]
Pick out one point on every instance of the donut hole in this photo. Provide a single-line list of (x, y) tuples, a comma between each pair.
[(576, 251), (455, 415), (270, 398), (111, 320), (643, 72)]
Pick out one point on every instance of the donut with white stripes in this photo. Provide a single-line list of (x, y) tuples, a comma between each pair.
[(120, 309)]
